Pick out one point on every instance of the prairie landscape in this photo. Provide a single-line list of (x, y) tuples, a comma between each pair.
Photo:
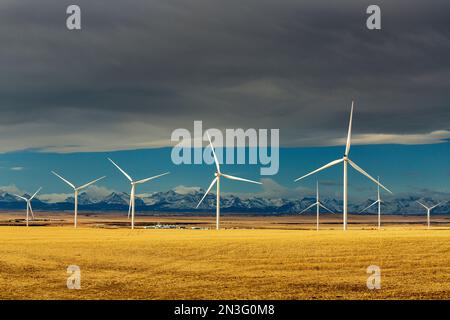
[(280, 258)]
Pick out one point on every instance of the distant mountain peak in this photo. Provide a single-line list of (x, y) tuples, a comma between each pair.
[(172, 201)]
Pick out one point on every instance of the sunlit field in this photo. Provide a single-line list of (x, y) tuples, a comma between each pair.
[(226, 264)]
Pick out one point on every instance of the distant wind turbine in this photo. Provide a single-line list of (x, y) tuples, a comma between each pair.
[(28, 201), (216, 181), (318, 204), (346, 160), (379, 205), (131, 208), (75, 190), (428, 211)]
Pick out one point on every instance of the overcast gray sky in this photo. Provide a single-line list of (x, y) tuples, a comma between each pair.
[(140, 69)]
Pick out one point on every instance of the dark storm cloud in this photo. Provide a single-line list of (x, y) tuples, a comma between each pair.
[(140, 69)]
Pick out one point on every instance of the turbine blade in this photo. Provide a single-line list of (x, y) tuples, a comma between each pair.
[(358, 168), (239, 179), (368, 206), (315, 203), (435, 205), (332, 163), (68, 182), (151, 178), (214, 153), (349, 134), (31, 209), (23, 198), (121, 170), (129, 209), (207, 191), (422, 204), (35, 193), (89, 183), (320, 204)]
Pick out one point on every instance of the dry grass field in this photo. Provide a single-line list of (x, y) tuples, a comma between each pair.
[(263, 263)]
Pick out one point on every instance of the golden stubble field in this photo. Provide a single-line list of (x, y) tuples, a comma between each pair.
[(225, 264)]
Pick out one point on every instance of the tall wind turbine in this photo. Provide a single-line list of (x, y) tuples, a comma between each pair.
[(318, 204), (75, 191), (131, 208), (216, 181), (28, 201), (428, 211), (346, 160), (379, 205)]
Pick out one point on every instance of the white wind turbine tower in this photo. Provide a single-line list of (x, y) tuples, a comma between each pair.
[(379, 205), (28, 201), (318, 204), (75, 190), (345, 160), (428, 211), (216, 181), (131, 208)]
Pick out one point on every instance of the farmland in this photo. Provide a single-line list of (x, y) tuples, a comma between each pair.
[(285, 262)]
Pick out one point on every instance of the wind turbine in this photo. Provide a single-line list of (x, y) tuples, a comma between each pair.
[(216, 181), (75, 190), (318, 204), (346, 160), (131, 208), (28, 201), (379, 205), (428, 211)]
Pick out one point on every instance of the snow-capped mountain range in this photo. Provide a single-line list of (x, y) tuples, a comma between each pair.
[(171, 201)]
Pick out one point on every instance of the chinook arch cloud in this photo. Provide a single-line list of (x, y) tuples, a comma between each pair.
[(345, 160)]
